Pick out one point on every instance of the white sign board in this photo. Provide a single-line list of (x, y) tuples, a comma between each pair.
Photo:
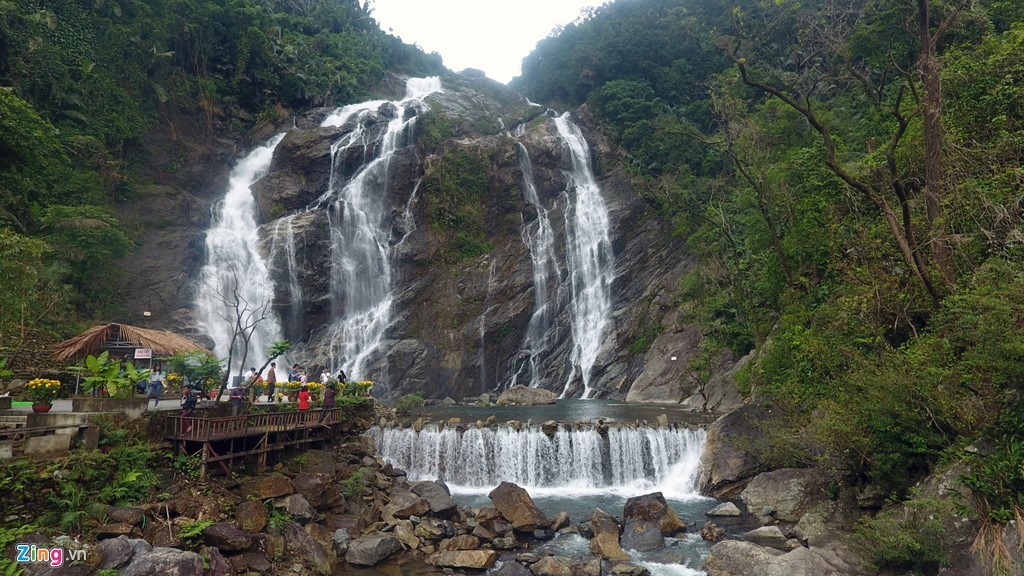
[(143, 353)]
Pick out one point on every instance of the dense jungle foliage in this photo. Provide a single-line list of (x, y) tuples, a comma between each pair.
[(82, 82), (850, 175)]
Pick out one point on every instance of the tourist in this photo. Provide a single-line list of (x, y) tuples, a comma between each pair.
[(156, 384), (329, 393), (302, 377), (237, 399), (271, 381), (342, 377), (293, 376), (188, 404), (325, 375), (253, 383), (303, 402)]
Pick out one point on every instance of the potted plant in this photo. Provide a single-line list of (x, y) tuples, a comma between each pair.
[(42, 392)]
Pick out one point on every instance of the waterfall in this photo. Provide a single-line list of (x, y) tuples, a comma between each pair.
[(589, 256), (235, 273), (360, 228), (625, 460), (539, 238), (482, 353), (283, 241)]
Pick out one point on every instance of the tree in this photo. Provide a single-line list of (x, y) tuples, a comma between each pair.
[(822, 65), (934, 186), (278, 348), (197, 368), (243, 316)]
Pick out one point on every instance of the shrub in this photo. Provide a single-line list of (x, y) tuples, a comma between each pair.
[(408, 403), (355, 484), (910, 537)]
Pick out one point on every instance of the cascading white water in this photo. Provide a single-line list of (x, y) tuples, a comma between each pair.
[(234, 284), (626, 461), (589, 257), (482, 352), (539, 238), (360, 229), (282, 240)]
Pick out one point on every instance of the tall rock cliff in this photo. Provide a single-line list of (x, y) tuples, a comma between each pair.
[(474, 176)]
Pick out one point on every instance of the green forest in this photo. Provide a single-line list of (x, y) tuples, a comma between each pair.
[(850, 175)]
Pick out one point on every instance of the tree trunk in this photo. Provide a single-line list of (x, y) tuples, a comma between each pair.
[(933, 191)]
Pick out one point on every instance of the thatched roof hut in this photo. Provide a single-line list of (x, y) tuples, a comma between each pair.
[(121, 339)]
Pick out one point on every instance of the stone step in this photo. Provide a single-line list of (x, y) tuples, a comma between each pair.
[(7, 421)]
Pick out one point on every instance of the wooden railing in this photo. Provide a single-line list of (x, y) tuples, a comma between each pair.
[(225, 427)]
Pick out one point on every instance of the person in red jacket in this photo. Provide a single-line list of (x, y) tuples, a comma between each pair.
[(303, 402)]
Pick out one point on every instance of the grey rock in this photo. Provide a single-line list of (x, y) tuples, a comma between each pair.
[(301, 545), (405, 504), (341, 539), (296, 506), (226, 537), (711, 532), (788, 492), (318, 489), (473, 559), (371, 550), (729, 460), (437, 495), (653, 508), (516, 506), (605, 542), (725, 509), (642, 536), (251, 516), (769, 536), (553, 566), (626, 569), (526, 396), (511, 569), (267, 486), (164, 561), (115, 552), (219, 565)]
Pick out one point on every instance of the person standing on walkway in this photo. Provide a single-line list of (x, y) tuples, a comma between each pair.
[(303, 403), (329, 393), (188, 404), (271, 381), (156, 384), (237, 399)]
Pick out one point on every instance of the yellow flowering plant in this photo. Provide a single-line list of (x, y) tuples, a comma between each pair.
[(42, 390)]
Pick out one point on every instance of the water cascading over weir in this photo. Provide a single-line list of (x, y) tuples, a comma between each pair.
[(573, 458)]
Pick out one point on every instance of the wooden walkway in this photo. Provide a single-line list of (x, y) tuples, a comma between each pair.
[(224, 439)]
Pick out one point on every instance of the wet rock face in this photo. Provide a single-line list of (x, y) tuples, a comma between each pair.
[(729, 460), (460, 316)]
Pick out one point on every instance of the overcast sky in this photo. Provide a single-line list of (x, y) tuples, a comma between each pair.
[(485, 34)]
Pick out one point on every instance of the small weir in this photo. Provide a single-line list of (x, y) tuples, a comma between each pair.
[(571, 468), (581, 458)]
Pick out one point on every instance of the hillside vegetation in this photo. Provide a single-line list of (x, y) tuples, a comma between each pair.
[(850, 176), (84, 82)]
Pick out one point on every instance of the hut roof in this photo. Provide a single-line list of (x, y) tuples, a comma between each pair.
[(122, 337)]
